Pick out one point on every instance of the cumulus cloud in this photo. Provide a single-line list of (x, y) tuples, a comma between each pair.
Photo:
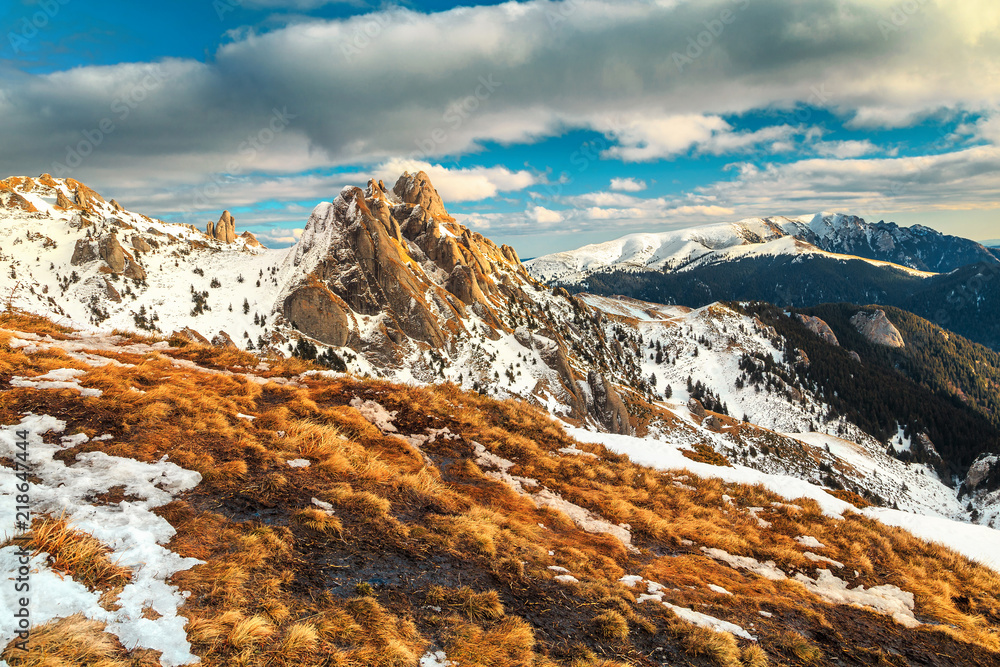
[(399, 86), (628, 184), (845, 149), (543, 215)]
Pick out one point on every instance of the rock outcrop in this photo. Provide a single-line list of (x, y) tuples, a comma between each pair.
[(139, 243), (609, 408), (112, 253), (251, 240), (223, 340), (83, 252), (118, 259), (191, 336), (224, 230), (877, 328), (981, 469), (319, 313), (819, 327)]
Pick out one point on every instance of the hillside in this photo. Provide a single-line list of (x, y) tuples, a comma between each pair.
[(964, 301), (291, 515)]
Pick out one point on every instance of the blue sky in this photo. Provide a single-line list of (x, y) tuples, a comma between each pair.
[(545, 125)]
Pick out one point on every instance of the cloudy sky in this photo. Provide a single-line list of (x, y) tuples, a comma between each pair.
[(543, 124)]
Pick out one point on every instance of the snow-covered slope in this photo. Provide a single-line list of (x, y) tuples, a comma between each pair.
[(831, 235), (387, 283)]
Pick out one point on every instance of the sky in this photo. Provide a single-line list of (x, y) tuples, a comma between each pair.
[(545, 125)]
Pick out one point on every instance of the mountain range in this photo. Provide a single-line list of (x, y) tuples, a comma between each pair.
[(416, 365), (796, 262)]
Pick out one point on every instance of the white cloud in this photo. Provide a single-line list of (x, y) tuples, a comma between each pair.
[(543, 215), (845, 149), (628, 184)]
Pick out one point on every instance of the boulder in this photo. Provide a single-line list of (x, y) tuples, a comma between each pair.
[(223, 340), (317, 312), (111, 292), (877, 328), (83, 253), (112, 253), (712, 423), (62, 201), (139, 243), (980, 470), (819, 327), (190, 335), (695, 407)]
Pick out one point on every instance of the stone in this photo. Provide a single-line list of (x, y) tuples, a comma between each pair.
[(877, 328), (139, 244), (609, 408), (819, 327), (83, 252), (111, 292), (224, 230), (317, 312), (223, 340), (112, 253), (190, 335), (695, 407), (250, 240)]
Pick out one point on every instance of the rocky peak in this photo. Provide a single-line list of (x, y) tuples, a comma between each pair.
[(877, 328), (224, 230), (417, 189)]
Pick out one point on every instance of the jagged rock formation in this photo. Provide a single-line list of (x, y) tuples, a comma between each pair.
[(877, 328), (391, 274), (819, 327), (223, 340), (118, 259), (608, 406), (83, 253), (224, 230), (980, 470), (190, 335), (251, 240)]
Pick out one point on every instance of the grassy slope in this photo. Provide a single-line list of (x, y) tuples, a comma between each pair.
[(425, 551)]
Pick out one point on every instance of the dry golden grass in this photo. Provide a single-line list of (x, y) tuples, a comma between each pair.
[(720, 647), (800, 647), (76, 641), (76, 554), (258, 598), (476, 606), (319, 520), (611, 626)]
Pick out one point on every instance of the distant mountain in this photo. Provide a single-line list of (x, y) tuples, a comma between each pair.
[(779, 260), (834, 235)]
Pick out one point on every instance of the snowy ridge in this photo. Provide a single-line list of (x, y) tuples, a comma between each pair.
[(688, 248)]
